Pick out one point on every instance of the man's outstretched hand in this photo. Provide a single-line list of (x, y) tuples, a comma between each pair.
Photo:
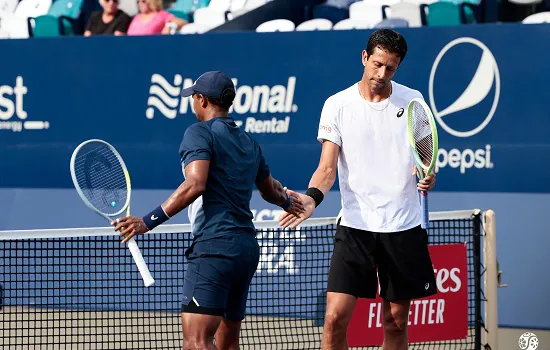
[(294, 219), (296, 206)]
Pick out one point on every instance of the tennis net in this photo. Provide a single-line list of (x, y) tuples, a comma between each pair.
[(80, 289)]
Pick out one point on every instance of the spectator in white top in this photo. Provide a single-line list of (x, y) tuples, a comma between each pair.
[(363, 131)]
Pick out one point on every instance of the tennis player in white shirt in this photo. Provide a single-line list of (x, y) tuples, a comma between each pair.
[(363, 131)]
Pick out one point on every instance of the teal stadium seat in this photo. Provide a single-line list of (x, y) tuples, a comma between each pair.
[(46, 26), (65, 12), (184, 8), (467, 7), (443, 13), (68, 11)]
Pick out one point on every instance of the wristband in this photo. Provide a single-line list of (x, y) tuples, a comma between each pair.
[(286, 204), (316, 194), (155, 218)]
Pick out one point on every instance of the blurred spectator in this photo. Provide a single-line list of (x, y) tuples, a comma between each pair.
[(109, 21), (153, 19), (340, 3)]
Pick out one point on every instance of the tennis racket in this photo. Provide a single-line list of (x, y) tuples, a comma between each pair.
[(422, 132), (102, 181)]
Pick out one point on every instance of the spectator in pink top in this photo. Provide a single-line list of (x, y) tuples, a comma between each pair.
[(153, 19)]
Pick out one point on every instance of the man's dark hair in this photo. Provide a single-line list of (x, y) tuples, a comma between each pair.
[(387, 40), (228, 96)]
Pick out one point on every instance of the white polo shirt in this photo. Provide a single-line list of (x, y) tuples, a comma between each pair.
[(375, 165)]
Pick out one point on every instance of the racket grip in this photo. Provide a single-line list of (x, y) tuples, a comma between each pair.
[(424, 209), (141, 265)]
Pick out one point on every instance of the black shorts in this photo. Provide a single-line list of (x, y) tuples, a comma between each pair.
[(404, 265)]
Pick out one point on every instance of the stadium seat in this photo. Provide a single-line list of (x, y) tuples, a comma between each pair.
[(349, 24), (315, 24), (237, 5), (17, 24), (386, 2), (339, 3), (240, 7), (541, 17), (68, 12), (392, 23), (407, 11), (526, 2), (276, 25), (67, 8), (207, 17), (367, 12), (443, 13), (179, 14), (185, 8), (7, 7), (220, 5), (215, 14), (333, 14), (129, 7), (47, 26), (422, 2), (193, 28), (253, 4), (467, 8), (15, 27)]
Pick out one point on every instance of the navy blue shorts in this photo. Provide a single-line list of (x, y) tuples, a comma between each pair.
[(218, 276)]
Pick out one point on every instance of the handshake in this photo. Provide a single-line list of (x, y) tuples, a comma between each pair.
[(299, 207)]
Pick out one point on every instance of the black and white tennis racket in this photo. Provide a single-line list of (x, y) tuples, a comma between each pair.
[(103, 182)]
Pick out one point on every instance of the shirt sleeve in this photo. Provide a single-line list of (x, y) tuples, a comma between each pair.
[(92, 22), (196, 144), (167, 16), (418, 94), (124, 23), (263, 169), (328, 126)]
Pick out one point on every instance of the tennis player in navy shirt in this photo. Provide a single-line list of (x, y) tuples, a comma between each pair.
[(221, 164)]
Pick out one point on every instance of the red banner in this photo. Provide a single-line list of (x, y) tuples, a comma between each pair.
[(443, 316)]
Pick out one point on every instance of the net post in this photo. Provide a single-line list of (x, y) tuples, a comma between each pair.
[(477, 278), (490, 278)]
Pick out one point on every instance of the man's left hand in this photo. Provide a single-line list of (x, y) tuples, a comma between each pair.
[(129, 226)]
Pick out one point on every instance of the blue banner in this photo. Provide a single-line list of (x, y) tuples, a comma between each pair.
[(56, 93)]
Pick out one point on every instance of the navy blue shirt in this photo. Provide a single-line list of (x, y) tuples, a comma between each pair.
[(236, 163)]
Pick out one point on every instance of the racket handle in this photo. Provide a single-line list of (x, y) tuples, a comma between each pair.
[(142, 266), (424, 206)]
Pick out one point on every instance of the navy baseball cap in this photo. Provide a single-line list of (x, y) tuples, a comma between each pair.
[(214, 84)]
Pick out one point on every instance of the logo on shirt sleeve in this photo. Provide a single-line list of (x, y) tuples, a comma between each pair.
[(326, 128), (400, 112)]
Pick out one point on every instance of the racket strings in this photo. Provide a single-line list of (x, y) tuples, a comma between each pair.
[(422, 134), (93, 175), (109, 192), (107, 197), (425, 149), (101, 178)]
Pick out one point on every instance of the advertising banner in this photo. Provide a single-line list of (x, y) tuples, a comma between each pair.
[(443, 316), (56, 93)]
